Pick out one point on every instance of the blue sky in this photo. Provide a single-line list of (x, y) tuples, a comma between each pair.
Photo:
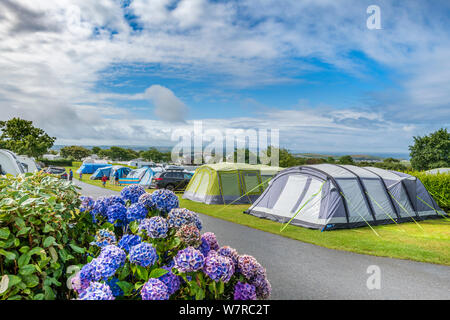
[(130, 72)]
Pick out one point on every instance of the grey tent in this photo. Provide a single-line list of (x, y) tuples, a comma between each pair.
[(328, 196)]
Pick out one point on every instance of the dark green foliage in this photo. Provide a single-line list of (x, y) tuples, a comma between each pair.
[(432, 151)]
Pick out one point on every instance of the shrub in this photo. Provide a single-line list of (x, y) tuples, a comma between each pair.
[(164, 256), (438, 185), (39, 236)]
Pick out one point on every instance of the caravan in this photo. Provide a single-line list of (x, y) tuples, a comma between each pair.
[(9, 163)]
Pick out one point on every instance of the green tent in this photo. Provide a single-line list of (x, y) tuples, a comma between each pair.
[(224, 183)]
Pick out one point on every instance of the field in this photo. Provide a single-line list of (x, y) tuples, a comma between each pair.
[(429, 242)]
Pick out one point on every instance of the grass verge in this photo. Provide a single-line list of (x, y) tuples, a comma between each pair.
[(431, 243)]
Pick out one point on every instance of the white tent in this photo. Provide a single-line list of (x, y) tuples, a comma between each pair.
[(9, 163)]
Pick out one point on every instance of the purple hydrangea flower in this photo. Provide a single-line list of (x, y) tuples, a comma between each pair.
[(244, 291), (132, 193), (113, 255), (136, 211), (79, 285), (263, 289), (211, 239), (204, 247), (104, 266), (155, 227), (128, 241), (248, 266), (115, 289), (117, 213), (99, 208), (189, 260), (229, 252), (97, 291), (190, 235), (146, 199), (165, 200), (218, 268), (154, 289), (172, 281), (104, 238), (180, 216), (143, 254), (86, 203)]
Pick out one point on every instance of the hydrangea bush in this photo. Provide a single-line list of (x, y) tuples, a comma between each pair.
[(147, 248)]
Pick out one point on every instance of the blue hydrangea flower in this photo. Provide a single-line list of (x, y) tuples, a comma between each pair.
[(105, 265), (143, 254), (97, 291), (79, 285), (218, 268), (128, 241), (136, 211), (155, 227), (244, 291), (113, 255), (113, 200), (146, 199), (189, 260), (99, 208), (86, 203), (115, 289), (179, 217), (103, 238), (204, 247), (132, 193), (117, 214), (172, 281), (211, 239), (154, 289), (165, 200)]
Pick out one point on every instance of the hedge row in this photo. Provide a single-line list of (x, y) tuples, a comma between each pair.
[(438, 185)]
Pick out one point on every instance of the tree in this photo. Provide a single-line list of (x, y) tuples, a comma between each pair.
[(75, 152), (95, 150), (21, 137), (432, 151), (152, 154), (346, 160)]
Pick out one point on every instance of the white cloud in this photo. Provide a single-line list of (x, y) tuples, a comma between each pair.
[(52, 53)]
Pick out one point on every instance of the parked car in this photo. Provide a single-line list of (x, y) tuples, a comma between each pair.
[(171, 180), (61, 172)]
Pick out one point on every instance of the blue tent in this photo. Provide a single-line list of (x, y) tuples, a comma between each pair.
[(110, 171), (142, 176), (89, 168)]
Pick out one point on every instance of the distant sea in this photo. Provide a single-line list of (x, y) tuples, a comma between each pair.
[(396, 155)]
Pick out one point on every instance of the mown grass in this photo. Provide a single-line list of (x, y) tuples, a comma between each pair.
[(429, 242)]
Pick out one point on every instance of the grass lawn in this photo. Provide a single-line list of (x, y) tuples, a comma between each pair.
[(428, 243)]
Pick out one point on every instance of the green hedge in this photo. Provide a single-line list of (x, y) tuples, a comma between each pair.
[(438, 185), (58, 163)]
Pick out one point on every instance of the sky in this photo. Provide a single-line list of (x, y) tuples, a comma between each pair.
[(130, 72)]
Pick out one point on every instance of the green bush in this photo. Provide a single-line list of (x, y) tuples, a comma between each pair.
[(438, 185), (57, 163), (39, 236)]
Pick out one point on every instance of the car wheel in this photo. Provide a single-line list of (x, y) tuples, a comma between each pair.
[(170, 187)]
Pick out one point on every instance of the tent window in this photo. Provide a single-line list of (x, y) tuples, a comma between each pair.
[(251, 181), (203, 187), (196, 181), (230, 184)]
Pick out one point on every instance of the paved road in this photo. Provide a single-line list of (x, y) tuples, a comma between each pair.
[(300, 270)]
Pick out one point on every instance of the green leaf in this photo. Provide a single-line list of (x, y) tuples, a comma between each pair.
[(48, 293), (31, 280), (20, 222), (77, 249), (124, 272), (28, 202), (24, 259), (142, 273), (39, 296), (200, 294), (49, 241), (156, 273), (13, 280), (7, 254), (48, 228), (4, 233), (23, 231), (126, 287), (221, 288), (27, 269)]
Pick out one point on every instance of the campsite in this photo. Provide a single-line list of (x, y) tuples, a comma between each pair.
[(219, 155)]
